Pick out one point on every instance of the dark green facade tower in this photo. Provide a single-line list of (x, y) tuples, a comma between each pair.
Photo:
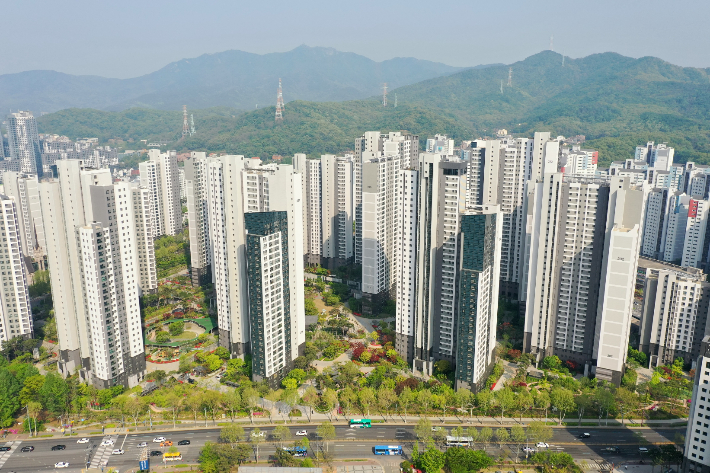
[(478, 299), (269, 294)]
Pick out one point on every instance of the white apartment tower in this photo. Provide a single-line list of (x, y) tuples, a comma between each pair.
[(586, 238), (496, 176), (95, 255), (371, 145), (24, 189), (695, 457), (380, 213), (160, 175), (675, 312), (337, 209), (408, 202), (310, 171), (695, 228), (197, 216), (442, 198), (15, 310), (23, 140)]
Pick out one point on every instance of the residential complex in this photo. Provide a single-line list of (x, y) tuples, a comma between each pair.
[(24, 189), (95, 252)]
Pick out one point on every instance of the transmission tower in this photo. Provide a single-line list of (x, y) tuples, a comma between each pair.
[(395, 100), (501, 86), (384, 95), (192, 124), (185, 127), (510, 77), (279, 104), (563, 60), (552, 43)]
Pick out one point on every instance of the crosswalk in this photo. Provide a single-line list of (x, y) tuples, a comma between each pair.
[(4, 456), (102, 454)]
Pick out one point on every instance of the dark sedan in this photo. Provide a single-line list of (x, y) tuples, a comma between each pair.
[(184, 442)]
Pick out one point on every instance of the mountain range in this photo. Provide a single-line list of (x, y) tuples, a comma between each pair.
[(235, 79), (617, 102)]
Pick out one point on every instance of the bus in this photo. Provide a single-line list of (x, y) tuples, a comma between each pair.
[(360, 423), (388, 450), (171, 457), (458, 441), (296, 451)]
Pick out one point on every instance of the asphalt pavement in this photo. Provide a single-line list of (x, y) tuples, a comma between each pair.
[(349, 444)]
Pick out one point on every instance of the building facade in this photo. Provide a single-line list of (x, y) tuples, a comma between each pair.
[(23, 140), (15, 310)]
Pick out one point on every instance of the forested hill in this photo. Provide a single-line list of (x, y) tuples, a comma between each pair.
[(235, 79), (617, 102)]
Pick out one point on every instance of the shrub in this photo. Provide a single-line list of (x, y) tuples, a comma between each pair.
[(162, 336), (177, 328)]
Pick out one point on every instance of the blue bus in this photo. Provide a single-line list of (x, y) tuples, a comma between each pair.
[(296, 451), (388, 450)]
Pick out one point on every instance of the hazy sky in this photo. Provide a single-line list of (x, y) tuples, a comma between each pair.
[(128, 38)]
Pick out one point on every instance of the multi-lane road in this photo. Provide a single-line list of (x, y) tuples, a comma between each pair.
[(349, 443)]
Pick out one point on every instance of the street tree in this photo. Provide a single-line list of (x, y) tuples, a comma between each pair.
[(423, 429), (282, 434), (506, 400), (232, 434), (405, 399), (502, 436), (326, 431), (310, 399), (255, 439), (518, 436), (485, 436), (563, 400)]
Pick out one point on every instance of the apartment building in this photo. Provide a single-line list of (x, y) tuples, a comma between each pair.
[(380, 188), (675, 311), (336, 210), (15, 310), (586, 237), (310, 171), (696, 433), (23, 140), (197, 216), (658, 156), (579, 162), (160, 175), (95, 255), (478, 268), (440, 144), (442, 198), (370, 145), (23, 188)]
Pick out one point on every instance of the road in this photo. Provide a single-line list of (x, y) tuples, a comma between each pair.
[(350, 443)]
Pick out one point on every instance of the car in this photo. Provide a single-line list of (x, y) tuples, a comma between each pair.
[(436, 429), (28, 448), (59, 447), (83, 440), (612, 449), (142, 444), (117, 451), (159, 439), (61, 465), (542, 445), (643, 450), (106, 442), (184, 442), (219, 376), (302, 433), (156, 453), (191, 381), (258, 434), (585, 435), (167, 443), (528, 450), (4, 449)]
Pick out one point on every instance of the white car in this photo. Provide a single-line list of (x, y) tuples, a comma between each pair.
[(436, 429), (61, 465), (117, 451), (302, 433), (159, 439), (542, 445), (106, 443), (528, 450), (142, 444), (83, 440), (258, 434)]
